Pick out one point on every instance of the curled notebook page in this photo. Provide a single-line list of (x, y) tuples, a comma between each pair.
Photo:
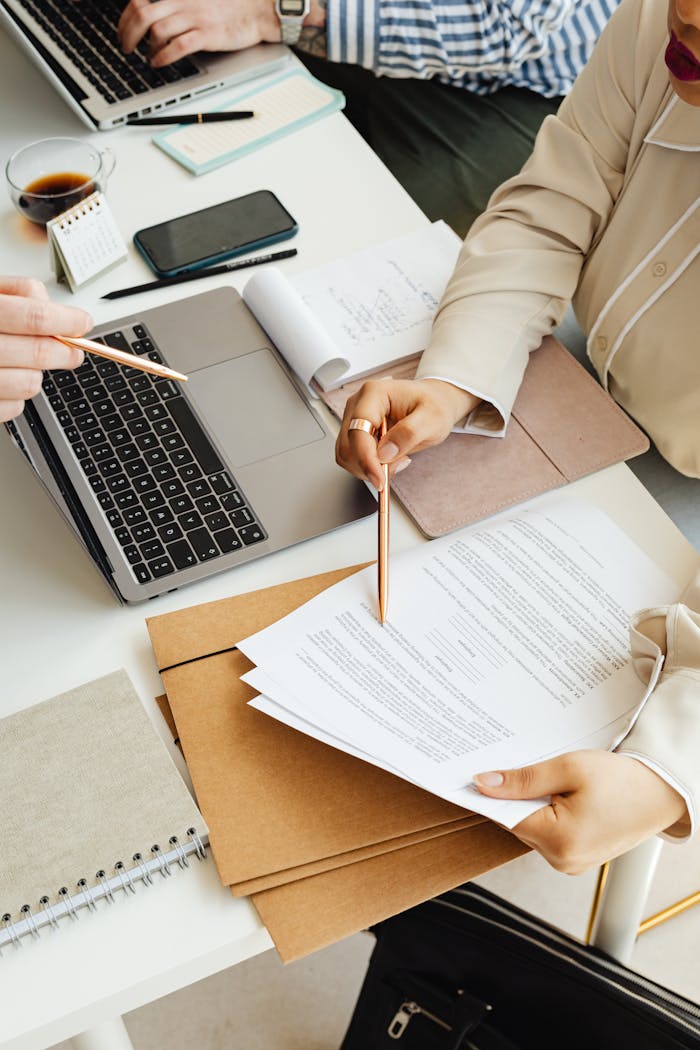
[(292, 327)]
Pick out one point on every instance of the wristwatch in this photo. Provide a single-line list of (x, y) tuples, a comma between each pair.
[(291, 14)]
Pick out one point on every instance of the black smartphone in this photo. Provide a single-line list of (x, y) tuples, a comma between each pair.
[(206, 237)]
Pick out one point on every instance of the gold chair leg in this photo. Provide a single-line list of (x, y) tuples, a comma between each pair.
[(668, 913), (597, 895)]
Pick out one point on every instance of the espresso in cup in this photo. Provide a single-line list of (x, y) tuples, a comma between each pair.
[(50, 195), (47, 178)]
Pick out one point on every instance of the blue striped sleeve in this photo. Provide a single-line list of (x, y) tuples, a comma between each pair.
[(477, 44)]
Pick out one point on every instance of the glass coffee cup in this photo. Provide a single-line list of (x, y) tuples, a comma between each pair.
[(50, 176)]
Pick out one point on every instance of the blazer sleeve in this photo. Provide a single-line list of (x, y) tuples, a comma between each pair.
[(666, 734), (521, 261)]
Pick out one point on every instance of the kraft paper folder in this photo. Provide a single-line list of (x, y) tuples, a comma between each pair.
[(563, 426), (326, 844)]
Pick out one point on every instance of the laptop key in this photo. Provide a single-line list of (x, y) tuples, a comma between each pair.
[(161, 567), (134, 516), (190, 521), (56, 402), (216, 521), (147, 397), (153, 499), (113, 383), (79, 407), (119, 436), (143, 532), (203, 544), (94, 437), (152, 549), (109, 469), (208, 505), (110, 423), (96, 392), (73, 435), (156, 412), (198, 488), (220, 482), (130, 412), (135, 467), (97, 484), (131, 553), (180, 456), (118, 341), (64, 418), (194, 435), (123, 535), (102, 452), (140, 383), (79, 450), (140, 427), (156, 457), (251, 534), (182, 504), (89, 467), (182, 554), (161, 516), (86, 422), (242, 517), (120, 486), (227, 540), (170, 532), (141, 572), (128, 451)]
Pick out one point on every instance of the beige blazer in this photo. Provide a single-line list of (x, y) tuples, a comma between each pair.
[(607, 213)]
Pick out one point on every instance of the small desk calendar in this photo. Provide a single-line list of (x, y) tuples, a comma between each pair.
[(85, 241)]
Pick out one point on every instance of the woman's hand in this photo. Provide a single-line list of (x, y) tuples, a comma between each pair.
[(602, 805), (420, 413), (177, 28), (27, 318)]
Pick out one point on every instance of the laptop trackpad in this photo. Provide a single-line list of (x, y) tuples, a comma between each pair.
[(252, 408)]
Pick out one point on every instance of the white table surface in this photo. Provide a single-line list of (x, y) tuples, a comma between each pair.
[(60, 625)]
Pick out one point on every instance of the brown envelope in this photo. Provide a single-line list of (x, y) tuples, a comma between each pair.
[(281, 805), (563, 426), (304, 916)]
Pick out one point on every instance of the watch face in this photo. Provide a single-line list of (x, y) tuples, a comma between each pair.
[(292, 8)]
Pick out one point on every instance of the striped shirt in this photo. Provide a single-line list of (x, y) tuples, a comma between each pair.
[(481, 45)]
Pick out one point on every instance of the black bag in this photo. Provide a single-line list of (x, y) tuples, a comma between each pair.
[(468, 971)]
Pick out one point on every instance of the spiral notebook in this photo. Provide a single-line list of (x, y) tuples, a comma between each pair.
[(92, 807)]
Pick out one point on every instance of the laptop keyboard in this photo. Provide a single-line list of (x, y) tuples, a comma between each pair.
[(87, 34), (164, 492)]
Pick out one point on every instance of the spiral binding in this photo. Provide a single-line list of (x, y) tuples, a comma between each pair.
[(106, 887)]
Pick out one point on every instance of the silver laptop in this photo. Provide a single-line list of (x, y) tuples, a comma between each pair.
[(75, 44), (164, 482)]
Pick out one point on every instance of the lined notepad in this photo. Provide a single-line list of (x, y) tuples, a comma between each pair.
[(85, 241), (287, 104)]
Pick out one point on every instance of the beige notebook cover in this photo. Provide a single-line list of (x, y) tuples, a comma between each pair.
[(563, 426), (85, 782)]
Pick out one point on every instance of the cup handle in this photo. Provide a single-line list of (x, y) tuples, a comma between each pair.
[(108, 162)]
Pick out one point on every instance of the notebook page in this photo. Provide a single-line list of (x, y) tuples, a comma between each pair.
[(85, 781), (291, 100)]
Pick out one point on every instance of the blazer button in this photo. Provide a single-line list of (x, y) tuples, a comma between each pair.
[(601, 343), (659, 269)]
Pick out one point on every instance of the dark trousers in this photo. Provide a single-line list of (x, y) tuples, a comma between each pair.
[(448, 147)]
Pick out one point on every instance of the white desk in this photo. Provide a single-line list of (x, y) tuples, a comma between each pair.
[(60, 625)]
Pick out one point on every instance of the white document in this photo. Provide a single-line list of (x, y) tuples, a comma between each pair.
[(505, 644), (350, 317)]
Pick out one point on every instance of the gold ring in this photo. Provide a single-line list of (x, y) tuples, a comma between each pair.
[(362, 424)]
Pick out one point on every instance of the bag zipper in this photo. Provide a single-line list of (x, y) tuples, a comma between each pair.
[(613, 980), (402, 1018)]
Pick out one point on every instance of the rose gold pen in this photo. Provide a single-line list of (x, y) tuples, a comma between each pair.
[(143, 364), (383, 560)]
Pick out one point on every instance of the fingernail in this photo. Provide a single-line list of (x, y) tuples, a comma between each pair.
[(387, 452), (402, 466), (488, 780), (80, 357)]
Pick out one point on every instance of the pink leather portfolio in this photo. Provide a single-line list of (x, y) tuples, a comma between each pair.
[(563, 426)]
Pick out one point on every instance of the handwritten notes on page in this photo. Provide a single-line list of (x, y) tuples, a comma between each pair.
[(505, 644), (346, 319)]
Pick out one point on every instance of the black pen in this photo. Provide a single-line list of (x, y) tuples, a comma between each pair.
[(193, 118), (195, 275)]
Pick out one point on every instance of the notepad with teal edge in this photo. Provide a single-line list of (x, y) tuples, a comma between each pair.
[(281, 106)]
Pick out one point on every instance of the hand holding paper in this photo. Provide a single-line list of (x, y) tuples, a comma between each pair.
[(507, 645)]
